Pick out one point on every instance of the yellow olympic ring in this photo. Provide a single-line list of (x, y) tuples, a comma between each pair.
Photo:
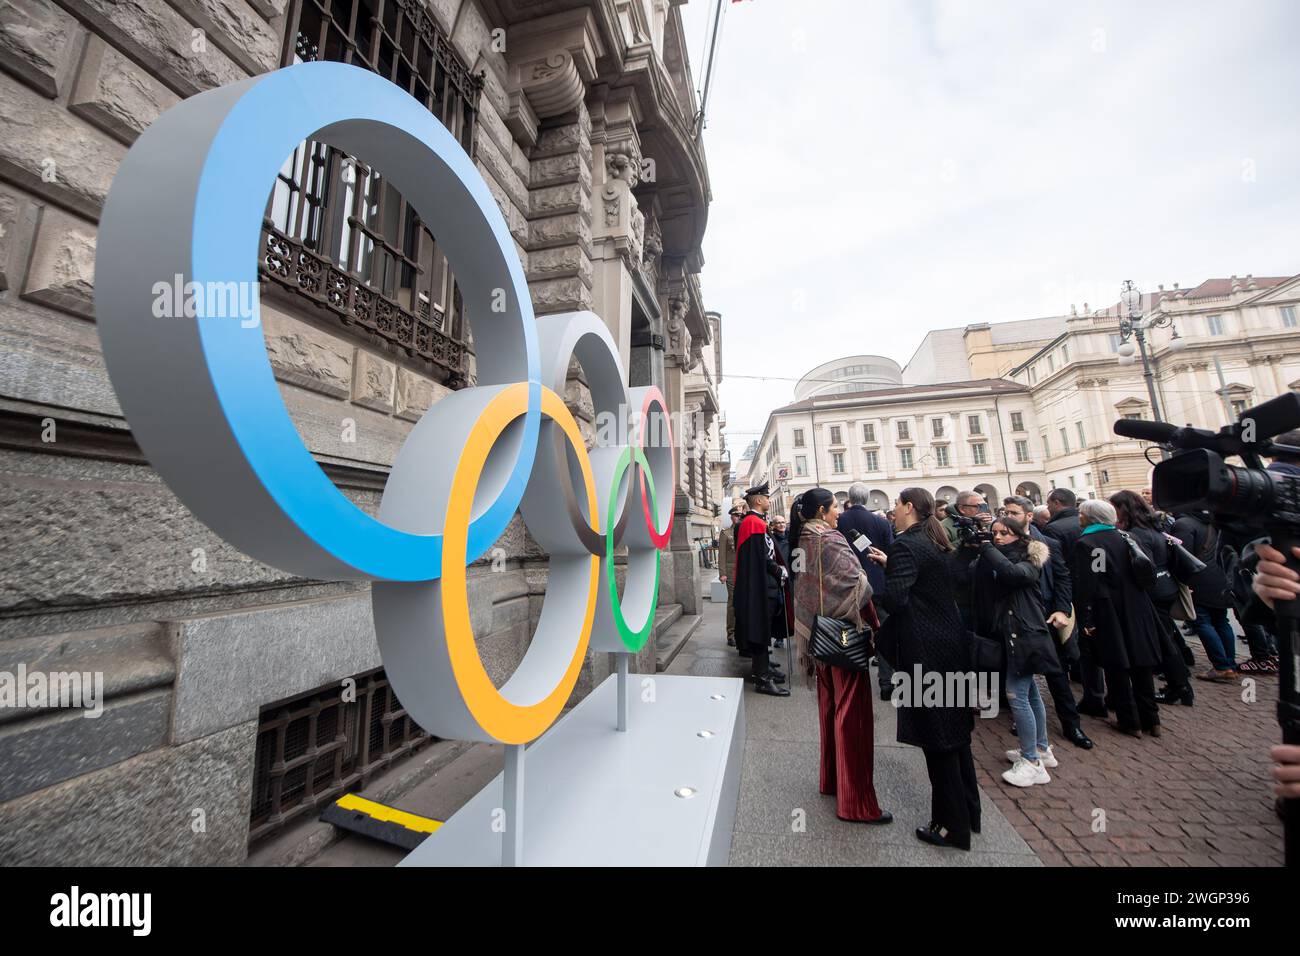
[(507, 721)]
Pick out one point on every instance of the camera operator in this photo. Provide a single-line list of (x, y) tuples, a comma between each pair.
[(1248, 502), (967, 527), (970, 505), (1063, 525), (1057, 597), (1260, 637)]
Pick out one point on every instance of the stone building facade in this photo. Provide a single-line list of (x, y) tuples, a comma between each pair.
[(946, 438), (1044, 395), (222, 719), (1241, 347)]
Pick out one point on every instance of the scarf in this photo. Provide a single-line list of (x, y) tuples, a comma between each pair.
[(1092, 528), (831, 583)]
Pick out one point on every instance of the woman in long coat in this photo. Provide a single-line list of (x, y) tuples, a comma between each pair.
[(1008, 605), (834, 585), (924, 634), (1115, 611), (1134, 515)]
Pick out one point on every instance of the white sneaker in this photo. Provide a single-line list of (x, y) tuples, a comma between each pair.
[(1026, 774), (1045, 757)]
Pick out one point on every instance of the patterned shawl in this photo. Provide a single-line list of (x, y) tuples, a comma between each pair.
[(831, 582)]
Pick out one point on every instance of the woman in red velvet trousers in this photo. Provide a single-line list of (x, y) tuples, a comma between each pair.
[(831, 582)]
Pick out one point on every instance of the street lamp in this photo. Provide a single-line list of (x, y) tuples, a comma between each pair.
[(1134, 325)]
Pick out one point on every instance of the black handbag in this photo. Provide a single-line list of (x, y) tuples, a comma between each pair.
[(987, 654), (1183, 564), (1144, 569), (834, 642)]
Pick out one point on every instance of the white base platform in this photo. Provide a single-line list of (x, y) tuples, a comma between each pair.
[(596, 797)]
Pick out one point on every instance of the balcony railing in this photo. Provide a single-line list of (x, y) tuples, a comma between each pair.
[(336, 233)]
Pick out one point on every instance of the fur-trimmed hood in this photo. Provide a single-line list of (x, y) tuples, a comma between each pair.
[(1039, 554)]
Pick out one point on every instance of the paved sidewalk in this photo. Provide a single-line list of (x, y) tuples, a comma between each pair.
[(1199, 795), (779, 779)]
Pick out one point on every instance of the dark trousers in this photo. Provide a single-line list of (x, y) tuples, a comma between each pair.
[(844, 703), (1262, 643), (884, 673), (954, 794), (1067, 711), (1133, 697), (1172, 664), (1091, 674)]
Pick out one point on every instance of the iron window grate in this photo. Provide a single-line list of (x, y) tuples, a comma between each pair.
[(312, 748)]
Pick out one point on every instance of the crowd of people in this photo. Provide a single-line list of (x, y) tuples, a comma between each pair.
[(1091, 592)]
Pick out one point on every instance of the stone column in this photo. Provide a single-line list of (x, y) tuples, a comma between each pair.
[(618, 225)]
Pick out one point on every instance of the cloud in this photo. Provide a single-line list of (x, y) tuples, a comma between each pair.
[(901, 166)]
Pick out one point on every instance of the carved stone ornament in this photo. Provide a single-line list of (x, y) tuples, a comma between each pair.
[(622, 163), (654, 244)]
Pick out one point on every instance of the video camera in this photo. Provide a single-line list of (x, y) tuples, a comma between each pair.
[(1198, 477), (971, 533), (1246, 499)]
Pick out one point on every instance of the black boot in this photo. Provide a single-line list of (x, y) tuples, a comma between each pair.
[(1171, 695), (765, 685), (938, 836), (1076, 736)]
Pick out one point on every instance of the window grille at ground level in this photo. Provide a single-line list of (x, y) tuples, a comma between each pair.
[(314, 747)]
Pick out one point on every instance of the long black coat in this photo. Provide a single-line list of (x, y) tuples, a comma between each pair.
[(1065, 528), (923, 617), (874, 526), (1107, 597), (1210, 586), (757, 589), (1008, 604)]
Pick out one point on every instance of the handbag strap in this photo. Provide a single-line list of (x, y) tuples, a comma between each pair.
[(821, 595)]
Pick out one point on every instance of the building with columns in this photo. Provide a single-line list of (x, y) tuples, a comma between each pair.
[(946, 437), (222, 675), (1044, 394), (1240, 346)]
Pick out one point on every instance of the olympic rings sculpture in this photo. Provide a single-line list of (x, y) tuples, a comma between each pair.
[(202, 401)]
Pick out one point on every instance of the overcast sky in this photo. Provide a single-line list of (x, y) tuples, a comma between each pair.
[(883, 168)]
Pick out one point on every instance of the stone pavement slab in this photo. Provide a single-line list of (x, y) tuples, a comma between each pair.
[(783, 821)]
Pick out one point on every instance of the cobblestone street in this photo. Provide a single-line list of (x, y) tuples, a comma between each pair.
[(1199, 795)]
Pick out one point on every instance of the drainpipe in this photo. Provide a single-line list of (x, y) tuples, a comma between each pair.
[(1002, 440)]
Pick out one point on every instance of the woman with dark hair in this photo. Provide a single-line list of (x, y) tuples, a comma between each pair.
[(1144, 525), (924, 634), (833, 584), (1008, 605)]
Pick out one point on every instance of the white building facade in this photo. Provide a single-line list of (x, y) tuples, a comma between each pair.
[(1030, 405), (945, 438)]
